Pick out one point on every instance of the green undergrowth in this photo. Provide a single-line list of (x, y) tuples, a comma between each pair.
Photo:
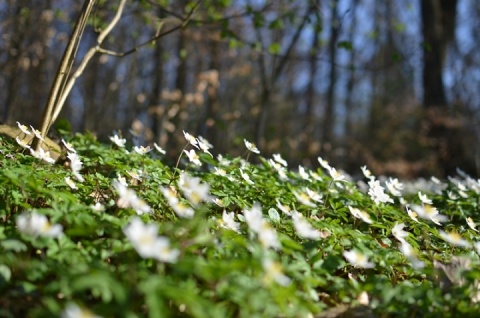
[(227, 268)]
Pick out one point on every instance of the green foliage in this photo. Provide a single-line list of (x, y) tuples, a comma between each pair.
[(221, 272)]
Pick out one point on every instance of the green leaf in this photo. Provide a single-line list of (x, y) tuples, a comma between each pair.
[(13, 245), (274, 48)]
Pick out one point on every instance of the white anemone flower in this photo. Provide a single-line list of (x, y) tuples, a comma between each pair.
[(472, 224), (429, 212), (398, 231), (273, 271), (194, 190), (304, 229), (70, 183), (251, 146), (72, 310), (193, 157), (408, 251), (159, 149), (191, 139), (120, 142), (129, 199), (23, 128), (228, 221), (42, 155), (454, 239), (357, 259), (35, 224), (147, 243), (424, 198), (278, 158), (22, 143), (68, 146), (359, 214), (141, 150), (76, 165)]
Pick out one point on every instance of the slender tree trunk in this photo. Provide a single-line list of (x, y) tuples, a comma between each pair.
[(329, 117), (311, 101), (438, 29)]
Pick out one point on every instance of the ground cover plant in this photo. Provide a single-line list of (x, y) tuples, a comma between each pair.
[(111, 230)]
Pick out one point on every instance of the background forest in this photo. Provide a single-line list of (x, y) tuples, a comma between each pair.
[(390, 84)]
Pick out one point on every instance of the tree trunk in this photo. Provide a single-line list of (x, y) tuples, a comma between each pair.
[(438, 28)]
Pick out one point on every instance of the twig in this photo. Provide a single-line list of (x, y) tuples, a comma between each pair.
[(87, 58)]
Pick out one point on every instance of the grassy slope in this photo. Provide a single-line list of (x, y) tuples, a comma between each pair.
[(219, 272)]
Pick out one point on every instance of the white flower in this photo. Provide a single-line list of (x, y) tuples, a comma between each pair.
[(377, 193), (191, 140), (408, 251), (37, 133), (159, 149), (120, 142), (22, 143), (122, 180), (303, 174), (183, 210), (228, 221), (304, 229), (246, 177), (268, 236), (367, 173), (359, 214), (193, 157), (147, 243), (220, 172), (37, 225), (413, 215), (98, 207), (70, 183), (324, 163), (357, 259), (170, 195), (251, 146), (194, 190), (129, 199), (74, 311), (76, 165), (278, 158), (257, 224), (135, 175), (454, 239), (304, 198), (204, 145), (273, 271), (23, 128), (254, 217), (68, 146), (142, 150), (429, 212), (424, 198), (336, 176), (285, 209), (398, 232), (42, 155), (471, 224), (394, 186), (315, 196)]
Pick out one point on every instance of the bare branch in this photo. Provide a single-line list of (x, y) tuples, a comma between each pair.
[(156, 37), (87, 58)]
